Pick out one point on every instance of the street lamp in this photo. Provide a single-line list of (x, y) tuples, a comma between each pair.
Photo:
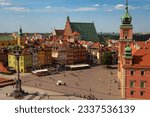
[(18, 92), (33, 51), (18, 81)]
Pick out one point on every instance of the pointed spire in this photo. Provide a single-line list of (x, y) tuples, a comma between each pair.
[(68, 19), (20, 32), (126, 19), (127, 5), (20, 29)]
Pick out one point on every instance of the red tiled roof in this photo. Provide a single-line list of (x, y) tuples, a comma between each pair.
[(76, 33), (83, 42), (3, 68), (65, 38), (59, 32), (141, 55), (97, 44)]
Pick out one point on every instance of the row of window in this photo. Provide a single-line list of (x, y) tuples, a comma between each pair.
[(142, 84), (3, 44), (141, 93), (142, 72)]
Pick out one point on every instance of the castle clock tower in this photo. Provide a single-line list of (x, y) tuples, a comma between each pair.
[(126, 34), (126, 26), (125, 53)]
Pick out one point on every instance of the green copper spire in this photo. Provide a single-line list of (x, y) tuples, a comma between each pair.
[(126, 4), (20, 32), (126, 18), (128, 51)]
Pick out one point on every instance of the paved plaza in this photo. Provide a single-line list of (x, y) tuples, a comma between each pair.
[(42, 94), (98, 82)]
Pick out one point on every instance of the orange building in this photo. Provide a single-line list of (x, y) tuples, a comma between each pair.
[(133, 63), (47, 57), (44, 58)]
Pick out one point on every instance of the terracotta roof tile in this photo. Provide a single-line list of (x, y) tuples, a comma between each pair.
[(3, 68), (59, 32), (141, 55), (76, 33)]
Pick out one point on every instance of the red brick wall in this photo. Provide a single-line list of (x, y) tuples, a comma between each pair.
[(137, 78), (129, 36), (68, 30)]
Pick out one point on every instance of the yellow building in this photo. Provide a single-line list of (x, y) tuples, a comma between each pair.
[(7, 40), (25, 61), (10, 40)]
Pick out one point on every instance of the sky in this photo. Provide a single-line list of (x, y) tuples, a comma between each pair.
[(47, 15)]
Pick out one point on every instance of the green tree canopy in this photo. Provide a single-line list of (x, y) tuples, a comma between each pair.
[(107, 58)]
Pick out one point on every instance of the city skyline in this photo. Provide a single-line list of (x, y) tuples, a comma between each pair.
[(44, 16)]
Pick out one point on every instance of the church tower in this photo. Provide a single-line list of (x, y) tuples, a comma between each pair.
[(126, 26), (20, 36), (125, 52)]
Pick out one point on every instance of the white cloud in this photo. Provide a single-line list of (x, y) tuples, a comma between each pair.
[(120, 7), (48, 7), (64, 9), (11, 7), (96, 5), (4, 3), (85, 9), (17, 9), (108, 8)]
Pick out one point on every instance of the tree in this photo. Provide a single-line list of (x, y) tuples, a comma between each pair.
[(107, 58)]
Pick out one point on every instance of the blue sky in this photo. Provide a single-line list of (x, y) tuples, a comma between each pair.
[(45, 15)]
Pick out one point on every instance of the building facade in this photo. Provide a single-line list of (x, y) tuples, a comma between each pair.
[(25, 61), (133, 62), (7, 40)]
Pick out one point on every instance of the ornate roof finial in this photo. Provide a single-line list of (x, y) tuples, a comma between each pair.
[(126, 19), (20, 28), (126, 4)]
